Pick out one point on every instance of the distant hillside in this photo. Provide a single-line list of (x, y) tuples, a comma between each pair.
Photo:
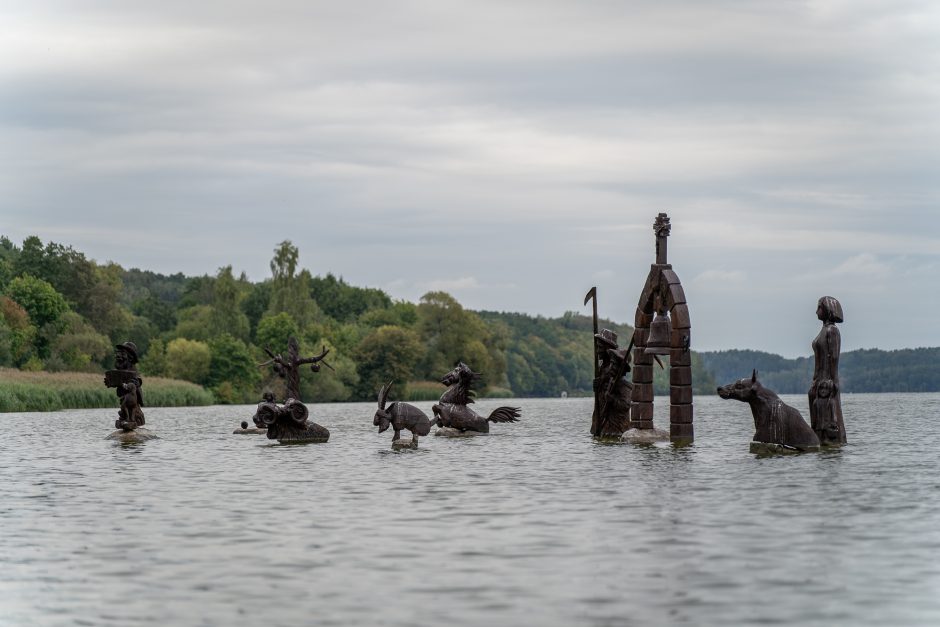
[(63, 312), (545, 356), (864, 370)]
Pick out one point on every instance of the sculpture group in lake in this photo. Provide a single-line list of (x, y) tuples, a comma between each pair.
[(781, 428), (662, 328), (289, 422), (623, 408)]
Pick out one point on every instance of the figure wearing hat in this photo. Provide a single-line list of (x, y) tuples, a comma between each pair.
[(127, 380), (611, 387)]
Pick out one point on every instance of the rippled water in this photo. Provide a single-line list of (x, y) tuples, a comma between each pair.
[(534, 524)]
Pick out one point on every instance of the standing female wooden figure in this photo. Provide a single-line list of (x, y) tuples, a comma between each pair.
[(825, 397)]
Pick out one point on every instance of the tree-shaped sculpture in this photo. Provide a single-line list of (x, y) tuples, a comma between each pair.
[(288, 368), (290, 422)]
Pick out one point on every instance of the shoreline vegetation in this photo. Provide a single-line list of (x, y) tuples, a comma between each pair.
[(52, 391), (61, 314), (22, 391)]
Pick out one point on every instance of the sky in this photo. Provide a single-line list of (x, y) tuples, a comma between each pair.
[(511, 153)]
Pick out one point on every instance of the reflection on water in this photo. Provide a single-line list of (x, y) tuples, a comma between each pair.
[(532, 524)]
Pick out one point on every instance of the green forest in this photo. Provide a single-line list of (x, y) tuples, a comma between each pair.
[(63, 312), (864, 370)]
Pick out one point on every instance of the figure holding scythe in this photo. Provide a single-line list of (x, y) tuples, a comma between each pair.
[(612, 390), (592, 296)]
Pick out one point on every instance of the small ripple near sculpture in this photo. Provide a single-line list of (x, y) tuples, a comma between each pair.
[(400, 416), (779, 428), (452, 411)]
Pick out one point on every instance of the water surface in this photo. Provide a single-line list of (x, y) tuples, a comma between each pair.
[(534, 524)]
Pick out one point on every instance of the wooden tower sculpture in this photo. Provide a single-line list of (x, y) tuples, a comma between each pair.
[(663, 327)]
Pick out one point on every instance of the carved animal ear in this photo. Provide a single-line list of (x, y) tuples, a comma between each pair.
[(383, 394), (754, 376)]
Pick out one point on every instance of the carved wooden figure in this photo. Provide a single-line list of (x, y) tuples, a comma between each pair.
[(400, 416), (453, 408), (127, 382), (289, 423), (662, 307), (775, 422), (825, 395), (612, 391)]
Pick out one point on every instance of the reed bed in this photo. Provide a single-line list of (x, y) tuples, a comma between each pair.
[(423, 390), (51, 391)]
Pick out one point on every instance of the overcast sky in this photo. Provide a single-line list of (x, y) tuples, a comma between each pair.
[(511, 153)]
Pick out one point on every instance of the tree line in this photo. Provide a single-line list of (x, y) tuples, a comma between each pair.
[(60, 311), (863, 370)]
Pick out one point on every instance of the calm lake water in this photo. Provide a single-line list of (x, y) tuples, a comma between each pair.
[(534, 524)]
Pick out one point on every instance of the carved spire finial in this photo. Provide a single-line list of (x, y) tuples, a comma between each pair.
[(662, 228)]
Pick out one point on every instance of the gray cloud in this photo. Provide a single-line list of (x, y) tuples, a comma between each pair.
[(516, 152)]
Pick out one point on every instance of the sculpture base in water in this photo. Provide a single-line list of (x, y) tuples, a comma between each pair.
[(769, 448), (288, 423), (608, 439), (139, 434), (400, 445), (311, 434), (250, 431), (645, 436), (450, 432)]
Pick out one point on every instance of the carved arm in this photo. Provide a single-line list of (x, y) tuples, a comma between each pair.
[(275, 359), (313, 360)]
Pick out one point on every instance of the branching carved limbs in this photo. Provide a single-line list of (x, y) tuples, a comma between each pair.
[(289, 368)]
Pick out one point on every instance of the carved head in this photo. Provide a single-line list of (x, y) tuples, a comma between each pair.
[(265, 414), (125, 356), (606, 339), (461, 374), (131, 390), (280, 420), (829, 309), (741, 390), (382, 420)]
